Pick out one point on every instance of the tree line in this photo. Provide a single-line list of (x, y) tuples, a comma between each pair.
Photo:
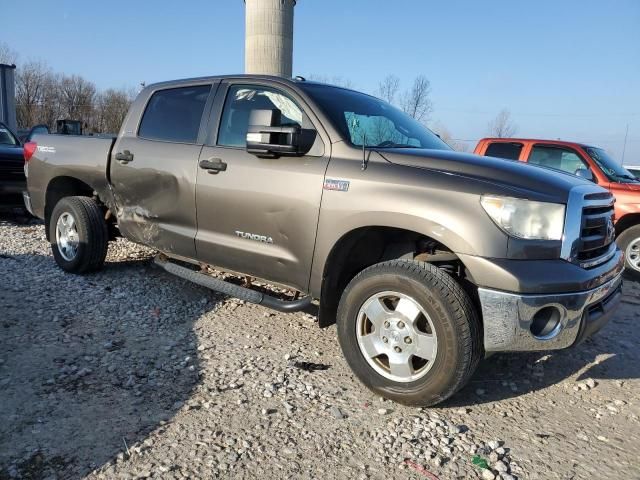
[(44, 96)]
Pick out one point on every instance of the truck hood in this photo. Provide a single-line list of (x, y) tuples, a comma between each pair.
[(525, 181)]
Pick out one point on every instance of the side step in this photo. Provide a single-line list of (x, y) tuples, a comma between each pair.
[(233, 290)]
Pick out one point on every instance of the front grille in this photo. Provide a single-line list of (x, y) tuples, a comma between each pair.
[(11, 171), (596, 232), (589, 238)]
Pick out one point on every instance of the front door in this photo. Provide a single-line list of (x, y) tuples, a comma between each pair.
[(154, 169), (258, 216)]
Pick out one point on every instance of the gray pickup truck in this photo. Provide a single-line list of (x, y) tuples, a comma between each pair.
[(426, 259)]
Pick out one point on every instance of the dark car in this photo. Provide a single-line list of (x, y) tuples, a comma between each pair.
[(12, 179)]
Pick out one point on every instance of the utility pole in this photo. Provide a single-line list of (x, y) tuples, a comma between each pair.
[(624, 147)]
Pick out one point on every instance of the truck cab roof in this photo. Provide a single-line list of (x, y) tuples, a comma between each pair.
[(537, 140)]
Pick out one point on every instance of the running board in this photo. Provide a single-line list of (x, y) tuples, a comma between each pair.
[(232, 290)]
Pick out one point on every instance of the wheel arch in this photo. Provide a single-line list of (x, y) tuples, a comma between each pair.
[(364, 246), (61, 187), (627, 221)]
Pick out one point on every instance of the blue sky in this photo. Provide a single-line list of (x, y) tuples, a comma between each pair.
[(565, 69)]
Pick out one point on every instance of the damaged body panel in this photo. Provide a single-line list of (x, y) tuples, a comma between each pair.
[(156, 206)]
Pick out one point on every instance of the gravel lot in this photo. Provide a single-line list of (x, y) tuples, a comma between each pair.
[(132, 373)]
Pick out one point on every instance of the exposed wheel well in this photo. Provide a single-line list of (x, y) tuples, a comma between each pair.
[(61, 187), (367, 246), (629, 220)]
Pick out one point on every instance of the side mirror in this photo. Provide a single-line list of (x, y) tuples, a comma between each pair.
[(586, 174), (266, 139)]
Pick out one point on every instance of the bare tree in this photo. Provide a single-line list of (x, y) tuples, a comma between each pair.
[(446, 136), (388, 89), (110, 109), (77, 97), (51, 109), (416, 101), (7, 54), (33, 82), (502, 126)]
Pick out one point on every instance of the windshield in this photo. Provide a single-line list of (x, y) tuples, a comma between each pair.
[(612, 169), (6, 137), (366, 120)]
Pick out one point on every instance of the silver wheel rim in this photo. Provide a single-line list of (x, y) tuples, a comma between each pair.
[(633, 254), (67, 238), (396, 336)]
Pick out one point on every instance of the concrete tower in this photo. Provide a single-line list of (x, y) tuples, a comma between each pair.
[(269, 37)]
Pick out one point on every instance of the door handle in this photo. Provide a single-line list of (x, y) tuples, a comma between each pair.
[(124, 157), (213, 165)]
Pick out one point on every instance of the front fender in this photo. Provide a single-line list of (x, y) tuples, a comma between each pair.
[(445, 208)]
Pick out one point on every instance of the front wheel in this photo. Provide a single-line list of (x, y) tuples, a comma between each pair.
[(78, 234), (629, 243), (409, 332)]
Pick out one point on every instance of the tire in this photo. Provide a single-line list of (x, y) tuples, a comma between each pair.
[(444, 309), (629, 243), (78, 222)]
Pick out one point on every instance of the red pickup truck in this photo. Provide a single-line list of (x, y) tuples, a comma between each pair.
[(588, 162)]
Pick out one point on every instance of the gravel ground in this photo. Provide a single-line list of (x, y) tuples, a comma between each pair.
[(132, 373)]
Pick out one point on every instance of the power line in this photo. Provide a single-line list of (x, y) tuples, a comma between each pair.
[(540, 114)]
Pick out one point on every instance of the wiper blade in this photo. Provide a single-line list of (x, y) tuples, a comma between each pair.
[(627, 177)]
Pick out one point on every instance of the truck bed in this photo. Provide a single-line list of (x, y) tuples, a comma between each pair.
[(84, 158)]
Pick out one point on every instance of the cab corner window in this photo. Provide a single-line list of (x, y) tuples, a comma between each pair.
[(241, 100), (174, 114), (508, 150), (556, 157)]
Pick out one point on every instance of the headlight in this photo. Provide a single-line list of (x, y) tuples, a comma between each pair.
[(524, 218)]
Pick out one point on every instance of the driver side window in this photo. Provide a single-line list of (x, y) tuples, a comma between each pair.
[(241, 100), (556, 157)]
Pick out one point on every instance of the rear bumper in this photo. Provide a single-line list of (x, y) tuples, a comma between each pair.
[(509, 317), (26, 198)]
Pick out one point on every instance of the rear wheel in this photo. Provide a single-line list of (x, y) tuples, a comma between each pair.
[(78, 234), (629, 243), (409, 332)]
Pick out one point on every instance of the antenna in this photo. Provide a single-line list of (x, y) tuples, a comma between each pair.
[(364, 152), (624, 147)]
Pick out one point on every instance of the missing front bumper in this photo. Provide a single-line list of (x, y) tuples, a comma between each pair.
[(509, 317)]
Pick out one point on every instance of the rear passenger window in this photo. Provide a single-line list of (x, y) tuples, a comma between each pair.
[(174, 115), (510, 151), (556, 157)]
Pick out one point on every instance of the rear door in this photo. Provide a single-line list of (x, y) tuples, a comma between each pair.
[(259, 216), (154, 167)]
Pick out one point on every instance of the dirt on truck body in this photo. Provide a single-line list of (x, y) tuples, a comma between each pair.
[(427, 259)]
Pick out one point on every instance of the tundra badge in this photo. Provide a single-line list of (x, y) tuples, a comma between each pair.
[(253, 236)]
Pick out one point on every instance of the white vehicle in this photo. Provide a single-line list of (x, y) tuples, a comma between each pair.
[(634, 169)]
